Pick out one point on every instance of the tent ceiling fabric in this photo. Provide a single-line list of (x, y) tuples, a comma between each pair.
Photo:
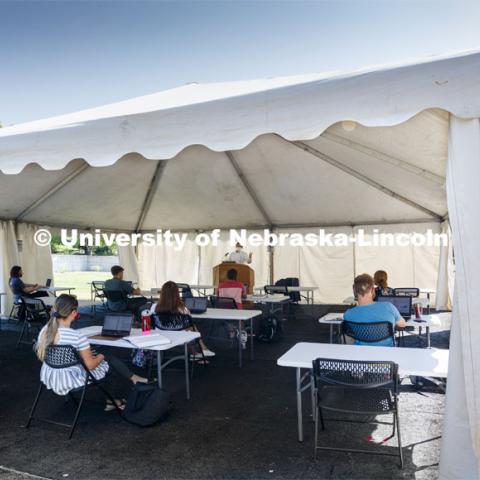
[(232, 160), (201, 189)]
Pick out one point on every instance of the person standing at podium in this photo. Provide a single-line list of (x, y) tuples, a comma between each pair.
[(239, 256)]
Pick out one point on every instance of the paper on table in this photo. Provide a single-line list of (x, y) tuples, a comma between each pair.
[(91, 331), (150, 340)]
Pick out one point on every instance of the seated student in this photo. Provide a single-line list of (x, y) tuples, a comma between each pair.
[(118, 285), (231, 288), (380, 279), (19, 288), (170, 302), (369, 311), (59, 331)]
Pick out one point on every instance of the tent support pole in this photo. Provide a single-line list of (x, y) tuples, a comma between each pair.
[(52, 191), (152, 188), (396, 162), (248, 187), (363, 178)]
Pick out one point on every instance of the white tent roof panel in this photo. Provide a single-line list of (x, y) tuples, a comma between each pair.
[(274, 182)]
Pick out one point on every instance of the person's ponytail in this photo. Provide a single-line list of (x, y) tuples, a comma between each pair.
[(64, 306)]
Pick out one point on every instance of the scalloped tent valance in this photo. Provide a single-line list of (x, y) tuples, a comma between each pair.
[(276, 152)]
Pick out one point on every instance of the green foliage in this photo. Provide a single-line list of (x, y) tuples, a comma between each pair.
[(57, 247)]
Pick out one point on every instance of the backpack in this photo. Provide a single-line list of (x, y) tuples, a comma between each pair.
[(270, 330), (147, 404)]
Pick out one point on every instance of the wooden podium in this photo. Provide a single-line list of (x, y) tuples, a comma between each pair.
[(245, 274)]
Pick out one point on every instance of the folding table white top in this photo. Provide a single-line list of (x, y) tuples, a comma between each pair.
[(422, 362), (227, 314), (177, 338)]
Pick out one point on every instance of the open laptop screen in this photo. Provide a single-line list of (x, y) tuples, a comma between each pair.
[(117, 323), (403, 304)]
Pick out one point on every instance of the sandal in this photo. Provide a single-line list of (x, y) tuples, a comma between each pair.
[(109, 407)]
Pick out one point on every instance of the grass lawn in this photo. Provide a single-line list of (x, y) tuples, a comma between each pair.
[(80, 281)]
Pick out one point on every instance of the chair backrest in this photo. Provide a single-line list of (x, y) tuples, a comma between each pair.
[(62, 356), (272, 289), (223, 302), (98, 286), (355, 374), (407, 292), (290, 282), (172, 321), (371, 332), (231, 292), (115, 295), (184, 290)]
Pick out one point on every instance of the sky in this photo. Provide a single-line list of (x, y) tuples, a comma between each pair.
[(62, 56)]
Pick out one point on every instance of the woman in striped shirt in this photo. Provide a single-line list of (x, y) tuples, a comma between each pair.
[(59, 331)]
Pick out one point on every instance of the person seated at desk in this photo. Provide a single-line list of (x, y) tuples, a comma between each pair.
[(239, 256), (170, 302), (380, 279), (20, 289), (232, 288), (59, 331), (122, 289), (369, 311)]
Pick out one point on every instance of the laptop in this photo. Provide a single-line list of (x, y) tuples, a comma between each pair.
[(117, 325), (196, 304), (403, 304), (48, 283)]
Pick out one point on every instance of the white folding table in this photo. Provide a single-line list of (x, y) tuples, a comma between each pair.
[(421, 362), (54, 290), (309, 291), (177, 339), (227, 314), (202, 289)]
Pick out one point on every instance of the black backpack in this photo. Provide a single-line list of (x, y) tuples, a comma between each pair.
[(147, 404)]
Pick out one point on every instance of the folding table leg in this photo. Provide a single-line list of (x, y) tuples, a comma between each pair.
[(239, 345), (251, 339), (299, 405), (159, 368), (187, 375)]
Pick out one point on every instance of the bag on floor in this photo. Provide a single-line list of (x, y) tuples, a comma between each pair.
[(141, 358), (146, 405)]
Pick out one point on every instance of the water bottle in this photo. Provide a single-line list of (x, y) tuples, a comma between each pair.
[(146, 322)]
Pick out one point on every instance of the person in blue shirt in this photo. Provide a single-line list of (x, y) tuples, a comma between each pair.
[(368, 311), (19, 288)]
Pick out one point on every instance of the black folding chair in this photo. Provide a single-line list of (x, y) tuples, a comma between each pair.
[(176, 322), (356, 388), (230, 304), (98, 291), (184, 290), (223, 302), (276, 289), (371, 332), (115, 296), (66, 356), (406, 292), (17, 311), (35, 315)]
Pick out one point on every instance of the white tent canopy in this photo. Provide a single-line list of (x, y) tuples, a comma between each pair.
[(272, 150), (338, 150)]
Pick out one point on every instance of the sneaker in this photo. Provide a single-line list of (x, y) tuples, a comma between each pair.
[(208, 353), (243, 338)]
